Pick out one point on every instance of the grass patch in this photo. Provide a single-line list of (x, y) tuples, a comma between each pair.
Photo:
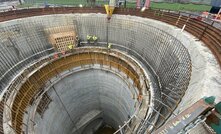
[(183, 7), (69, 2), (131, 5), (169, 6)]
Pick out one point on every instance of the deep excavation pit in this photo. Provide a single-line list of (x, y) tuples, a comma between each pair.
[(93, 98), (139, 82), (101, 90)]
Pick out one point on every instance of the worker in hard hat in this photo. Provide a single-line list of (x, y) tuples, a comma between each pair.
[(89, 37), (95, 39), (70, 47), (109, 46)]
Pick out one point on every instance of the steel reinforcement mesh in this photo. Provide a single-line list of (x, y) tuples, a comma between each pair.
[(167, 57)]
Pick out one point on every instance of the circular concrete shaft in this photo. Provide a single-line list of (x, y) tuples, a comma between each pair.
[(92, 98), (159, 52), (102, 91)]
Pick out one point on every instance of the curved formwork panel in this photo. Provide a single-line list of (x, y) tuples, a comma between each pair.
[(102, 84), (27, 40)]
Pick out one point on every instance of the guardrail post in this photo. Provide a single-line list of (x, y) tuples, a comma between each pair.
[(131, 131), (162, 14), (42, 11), (15, 13), (187, 20), (121, 132), (204, 30), (53, 9), (178, 19), (212, 23)]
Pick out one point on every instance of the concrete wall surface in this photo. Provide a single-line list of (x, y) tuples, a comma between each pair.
[(166, 55), (82, 93), (206, 74), (155, 41)]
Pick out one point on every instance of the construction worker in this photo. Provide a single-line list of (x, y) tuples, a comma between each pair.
[(205, 14), (70, 47), (63, 52), (55, 56), (109, 46), (89, 37), (94, 39), (140, 97), (77, 41)]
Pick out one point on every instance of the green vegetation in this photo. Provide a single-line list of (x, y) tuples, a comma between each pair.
[(169, 6), (178, 6), (67, 2)]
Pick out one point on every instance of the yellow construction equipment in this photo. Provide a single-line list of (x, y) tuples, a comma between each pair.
[(109, 10)]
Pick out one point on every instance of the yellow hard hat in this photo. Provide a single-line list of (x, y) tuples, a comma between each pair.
[(70, 46)]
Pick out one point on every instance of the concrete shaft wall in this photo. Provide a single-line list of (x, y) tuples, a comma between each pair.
[(81, 93), (138, 34), (206, 74), (168, 58), (166, 55)]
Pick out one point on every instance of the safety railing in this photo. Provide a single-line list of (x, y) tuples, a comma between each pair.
[(10, 74), (207, 32), (31, 120), (16, 115), (132, 52), (20, 77)]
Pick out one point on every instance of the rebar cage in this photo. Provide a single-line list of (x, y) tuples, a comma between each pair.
[(24, 41)]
